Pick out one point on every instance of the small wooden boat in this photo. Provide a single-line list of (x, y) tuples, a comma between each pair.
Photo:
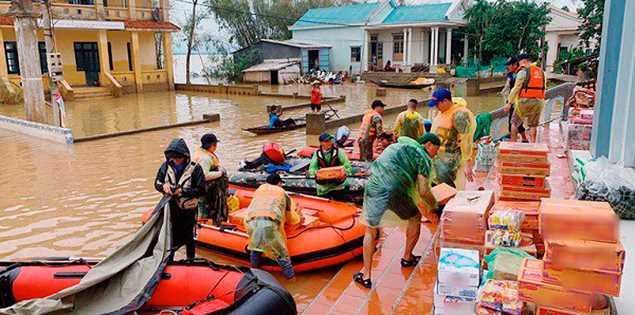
[(409, 85), (218, 289), (331, 234), (299, 123)]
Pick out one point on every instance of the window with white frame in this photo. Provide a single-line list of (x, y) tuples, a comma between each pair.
[(356, 54)]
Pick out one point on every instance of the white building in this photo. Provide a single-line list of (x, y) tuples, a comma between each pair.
[(561, 34)]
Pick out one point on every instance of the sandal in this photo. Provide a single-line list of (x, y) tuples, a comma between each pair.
[(359, 278), (410, 263)]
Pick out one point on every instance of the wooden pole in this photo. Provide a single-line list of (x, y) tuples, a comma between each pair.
[(28, 56)]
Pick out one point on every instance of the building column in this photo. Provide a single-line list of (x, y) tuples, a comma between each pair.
[(104, 64), (365, 52), (434, 51), (3, 59), (132, 9), (404, 55), (465, 49), (136, 62), (168, 59), (164, 7), (448, 46), (409, 47), (99, 8)]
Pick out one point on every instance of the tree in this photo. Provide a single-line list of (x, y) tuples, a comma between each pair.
[(592, 14), (247, 21), (189, 31), (222, 66), (506, 28)]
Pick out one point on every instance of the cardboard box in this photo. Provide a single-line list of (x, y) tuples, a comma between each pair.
[(584, 281), (523, 150), (532, 288), (525, 193), (453, 304), (524, 169), (585, 255), (459, 268), (577, 219), (545, 310), (523, 180), (443, 193), (464, 217), (469, 292), (480, 248), (530, 208)]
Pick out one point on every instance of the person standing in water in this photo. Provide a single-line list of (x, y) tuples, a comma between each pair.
[(213, 204), (316, 97), (409, 123), (184, 181)]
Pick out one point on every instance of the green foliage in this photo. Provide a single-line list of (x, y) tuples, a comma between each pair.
[(565, 57), (247, 21), (223, 67), (505, 28), (592, 15)]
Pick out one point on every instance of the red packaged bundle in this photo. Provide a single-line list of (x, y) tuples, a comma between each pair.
[(585, 255), (523, 180), (525, 193), (577, 219), (523, 152), (524, 169)]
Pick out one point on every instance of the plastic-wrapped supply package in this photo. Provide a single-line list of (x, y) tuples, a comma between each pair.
[(605, 181), (529, 208), (501, 296), (485, 155), (458, 272), (505, 263), (507, 220)]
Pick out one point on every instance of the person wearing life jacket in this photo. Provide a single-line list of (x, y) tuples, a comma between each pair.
[(316, 97), (409, 123), (329, 156), (454, 125), (398, 193), (270, 211), (184, 181), (528, 97), (213, 204), (372, 125), (512, 69)]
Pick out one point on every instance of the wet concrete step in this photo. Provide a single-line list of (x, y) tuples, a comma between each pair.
[(92, 92), (390, 281)]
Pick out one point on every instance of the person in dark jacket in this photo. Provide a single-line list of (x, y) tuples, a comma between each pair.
[(184, 180)]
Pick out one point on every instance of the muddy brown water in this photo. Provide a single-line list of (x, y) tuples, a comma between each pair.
[(86, 199)]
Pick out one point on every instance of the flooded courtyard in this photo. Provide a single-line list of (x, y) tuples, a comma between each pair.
[(86, 199)]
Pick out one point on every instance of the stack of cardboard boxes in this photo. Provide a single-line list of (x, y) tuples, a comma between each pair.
[(583, 258), (523, 168), (579, 129), (458, 278), (464, 220)]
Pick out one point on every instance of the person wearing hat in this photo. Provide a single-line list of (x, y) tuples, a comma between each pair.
[(328, 155), (316, 97), (528, 98), (455, 126), (512, 69), (213, 204), (409, 123), (430, 143), (372, 125), (270, 211), (398, 193), (384, 139), (184, 181)]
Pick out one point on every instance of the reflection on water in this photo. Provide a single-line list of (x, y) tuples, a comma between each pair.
[(85, 199)]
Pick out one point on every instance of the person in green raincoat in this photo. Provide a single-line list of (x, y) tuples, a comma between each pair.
[(398, 192), (409, 123), (329, 156)]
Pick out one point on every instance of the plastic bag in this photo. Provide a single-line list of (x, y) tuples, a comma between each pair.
[(605, 181), (506, 220), (486, 155), (504, 263), (502, 296)]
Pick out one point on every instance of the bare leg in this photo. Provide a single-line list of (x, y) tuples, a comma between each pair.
[(523, 135), (369, 249), (533, 132), (412, 236), (514, 135)]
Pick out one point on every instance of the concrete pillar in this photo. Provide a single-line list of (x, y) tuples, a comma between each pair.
[(3, 59), (448, 46), (552, 50), (132, 9), (425, 46), (29, 58), (136, 62), (99, 8), (164, 6), (404, 55), (315, 125), (436, 46), (365, 52), (466, 51), (431, 44), (410, 46), (167, 54), (104, 65)]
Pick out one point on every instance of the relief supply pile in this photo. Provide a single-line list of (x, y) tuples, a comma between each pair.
[(523, 168)]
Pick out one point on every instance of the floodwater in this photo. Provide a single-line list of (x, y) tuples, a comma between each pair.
[(86, 199)]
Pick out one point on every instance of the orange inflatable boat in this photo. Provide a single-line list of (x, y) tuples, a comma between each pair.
[(199, 287), (330, 235)]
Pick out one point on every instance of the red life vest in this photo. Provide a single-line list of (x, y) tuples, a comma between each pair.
[(534, 85)]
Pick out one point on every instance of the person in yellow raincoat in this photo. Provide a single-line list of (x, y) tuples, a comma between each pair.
[(409, 123), (455, 125), (398, 193), (213, 204), (269, 211)]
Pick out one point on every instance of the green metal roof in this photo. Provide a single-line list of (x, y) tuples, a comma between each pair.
[(417, 13), (334, 16)]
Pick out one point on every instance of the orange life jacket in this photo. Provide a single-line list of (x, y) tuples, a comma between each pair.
[(366, 126), (269, 201), (534, 85)]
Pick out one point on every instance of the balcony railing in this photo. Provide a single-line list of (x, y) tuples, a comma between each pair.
[(67, 11)]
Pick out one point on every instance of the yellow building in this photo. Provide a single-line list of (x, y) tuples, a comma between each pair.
[(107, 46)]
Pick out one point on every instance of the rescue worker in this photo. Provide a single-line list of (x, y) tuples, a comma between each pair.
[(409, 123), (528, 98), (328, 155), (213, 204), (384, 139), (398, 193), (316, 97), (454, 125), (512, 68), (430, 143), (270, 210), (184, 180), (372, 126)]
